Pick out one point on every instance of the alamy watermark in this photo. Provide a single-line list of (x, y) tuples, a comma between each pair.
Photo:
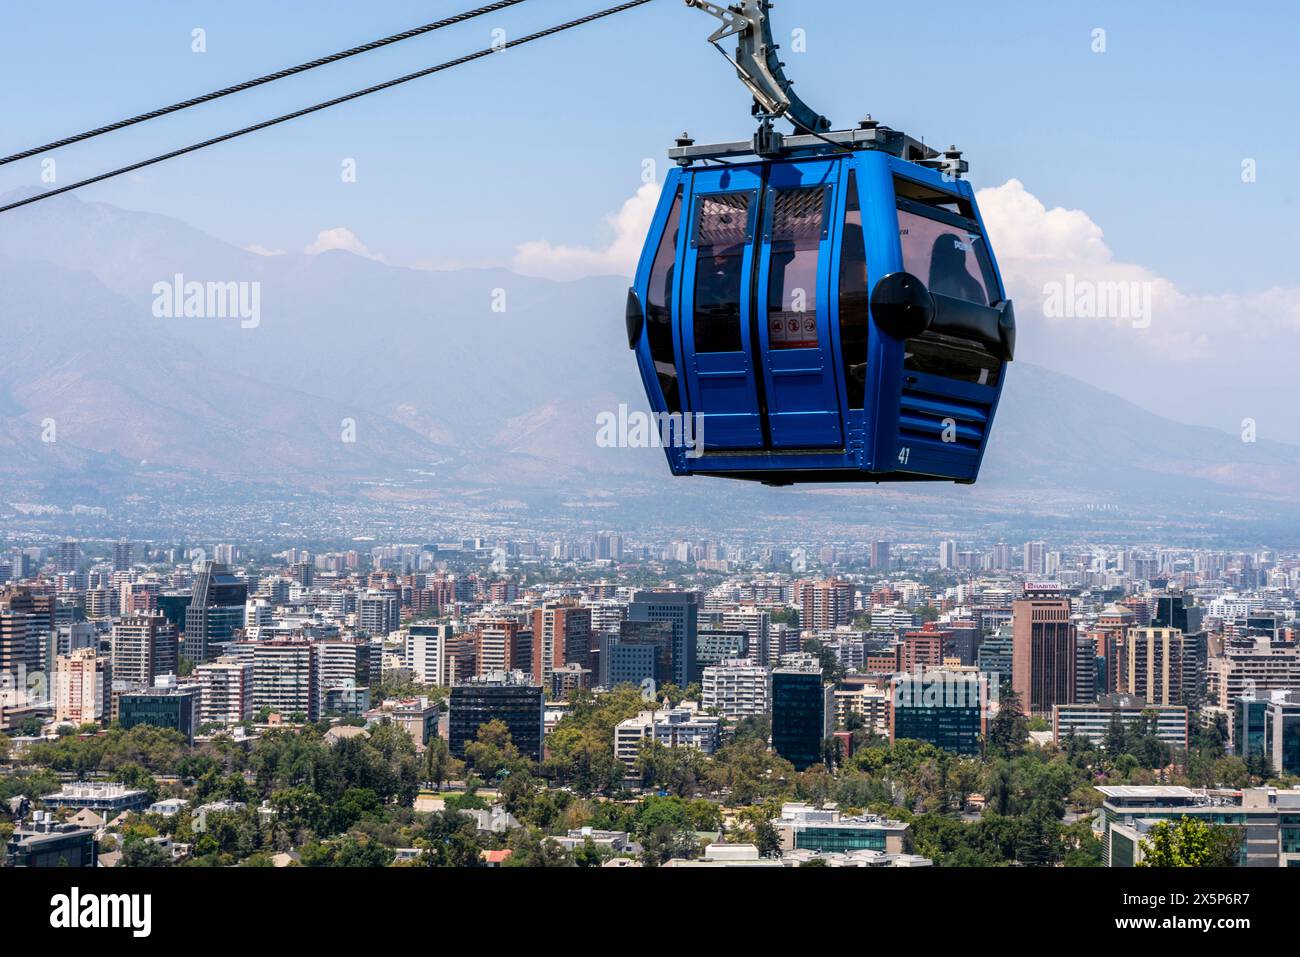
[(626, 429), (1087, 299), (178, 299)]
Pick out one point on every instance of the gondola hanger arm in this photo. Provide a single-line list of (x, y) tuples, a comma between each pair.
[(757, 63)]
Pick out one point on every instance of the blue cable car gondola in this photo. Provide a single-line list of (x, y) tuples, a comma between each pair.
[(822, 307)]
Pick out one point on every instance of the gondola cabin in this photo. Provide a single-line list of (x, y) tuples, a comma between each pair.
[(828, 312)]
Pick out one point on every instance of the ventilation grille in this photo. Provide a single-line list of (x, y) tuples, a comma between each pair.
[(797, 215), (938, 421), (723, 220)]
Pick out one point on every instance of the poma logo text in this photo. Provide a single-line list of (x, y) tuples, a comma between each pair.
[(641, 430), (132, 911), (179, 299)]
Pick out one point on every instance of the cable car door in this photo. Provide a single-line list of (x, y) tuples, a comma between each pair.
[(793, 303), (716, 308)]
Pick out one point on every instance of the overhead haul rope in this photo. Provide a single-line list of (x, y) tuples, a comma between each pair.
[(250, 84), (428, 71)]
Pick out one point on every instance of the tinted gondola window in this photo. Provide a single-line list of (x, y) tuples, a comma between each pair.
[(659, 314), (946, 257), (942, 245), (722, 232), (854, 298), (798, 219)]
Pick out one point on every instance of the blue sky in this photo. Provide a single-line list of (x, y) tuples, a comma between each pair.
[(544, 143)]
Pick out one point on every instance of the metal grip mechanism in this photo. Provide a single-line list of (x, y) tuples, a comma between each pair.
[(756, 61)]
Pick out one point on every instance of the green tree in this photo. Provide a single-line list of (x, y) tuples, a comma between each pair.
[(437, 762), (767, 839), (355, 850), (141, 852), (786, 616), (1009, 728), (28, 728), (588, 855), (531, 848), (1189, 842), (450, 839)]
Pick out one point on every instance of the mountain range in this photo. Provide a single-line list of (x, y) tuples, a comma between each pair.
[(465, 380)]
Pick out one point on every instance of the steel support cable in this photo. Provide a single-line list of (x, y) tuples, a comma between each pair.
[(270, 77), (468, 58)]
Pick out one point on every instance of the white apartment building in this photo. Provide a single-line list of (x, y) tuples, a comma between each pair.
[(737, 688), (82, 685), (225, 691), (426, 653), (681, 727), (1252, 669)]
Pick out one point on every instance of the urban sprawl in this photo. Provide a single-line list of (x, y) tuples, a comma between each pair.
[(611, 702)]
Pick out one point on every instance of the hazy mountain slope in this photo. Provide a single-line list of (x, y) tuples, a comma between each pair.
[(474, 378)]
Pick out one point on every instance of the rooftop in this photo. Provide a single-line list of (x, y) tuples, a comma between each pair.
[(1149, 792)]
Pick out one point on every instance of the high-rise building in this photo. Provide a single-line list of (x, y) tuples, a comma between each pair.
[(1252, 667), (1250, 728), (1283, 743), (215, 612), (802, 712), (302, 573), (341, 669), (1151, 665), (122, 554), (561, 636), (641, 654), (225, 691), (426, 652), (284, 678), (713, 645), (681, 610), (947, 709), (510, 698), (737, 688), (15, 657), (1177, 611), (27, 619), (825, 604), (1088, 670), (675, 728), (144, 647), (757, 624), (379, 613), (162, 707), (1001, 557), (921, 650), (83, 684), (880, 559), (496, 639), (1035, 558), (1107, 635), (137, 598), (606, 616), (69, 557), (1043, 650), (947, 554)]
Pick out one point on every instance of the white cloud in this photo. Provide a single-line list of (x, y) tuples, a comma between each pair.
[(262, 250), (629, 225), (1037, 247), (1212, 359), (340, 238)]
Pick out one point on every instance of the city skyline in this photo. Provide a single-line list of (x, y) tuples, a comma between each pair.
[(517, 437)]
